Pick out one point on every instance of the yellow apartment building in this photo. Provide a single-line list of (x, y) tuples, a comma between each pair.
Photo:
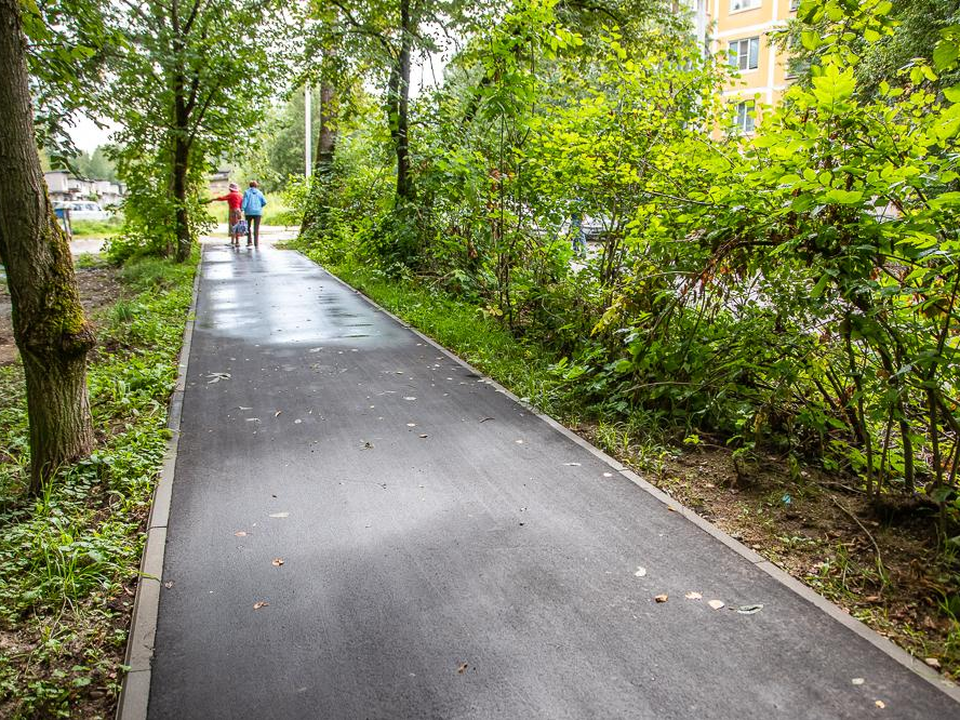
[(740, 29)]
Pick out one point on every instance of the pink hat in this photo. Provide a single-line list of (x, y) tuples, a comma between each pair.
[(234, 186)]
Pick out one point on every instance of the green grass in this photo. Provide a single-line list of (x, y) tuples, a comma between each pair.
[(96, 228), (68, 558)]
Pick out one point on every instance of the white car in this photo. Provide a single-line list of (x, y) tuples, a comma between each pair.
[(85, 210)]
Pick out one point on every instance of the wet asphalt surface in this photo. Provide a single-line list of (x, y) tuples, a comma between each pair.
[(446, 554)]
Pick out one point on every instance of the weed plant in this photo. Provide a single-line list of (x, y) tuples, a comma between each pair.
[(68, 558)]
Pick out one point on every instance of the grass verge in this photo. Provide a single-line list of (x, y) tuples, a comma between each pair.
[(69, 558), (96, 228)]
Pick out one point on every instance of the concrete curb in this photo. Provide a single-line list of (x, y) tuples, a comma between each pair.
[(834, 611), (135, 694)]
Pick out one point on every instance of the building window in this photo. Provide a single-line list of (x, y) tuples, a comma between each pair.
[(745, 54), (738, 5), (745, 118)]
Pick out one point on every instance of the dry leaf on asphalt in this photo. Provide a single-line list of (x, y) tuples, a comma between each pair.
[(277, 562), (749, 609), (409, 397), (280, 515), (424, 436), (462, 669), (368, 445), (693, 596), (217, 377), (482, 420), (880, 704), (716, 604), (240, 533), (260, 604), (641, 571), (662, 598), (572, 464), (857, 681), (277, 413), (411, 424), (168, 584)]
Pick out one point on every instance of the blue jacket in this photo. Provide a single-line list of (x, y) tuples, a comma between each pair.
[(253, 202)]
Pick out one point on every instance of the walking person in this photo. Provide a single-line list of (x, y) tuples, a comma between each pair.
[(234, 201), (253, 204)]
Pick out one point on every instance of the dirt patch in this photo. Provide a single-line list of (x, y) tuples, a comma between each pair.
[(877, 560), (99, 288)]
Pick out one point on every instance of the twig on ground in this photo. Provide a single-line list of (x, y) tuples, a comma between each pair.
[(867, 533)]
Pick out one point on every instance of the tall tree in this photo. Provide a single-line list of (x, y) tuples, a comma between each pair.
[(195, 75), (49, 326)]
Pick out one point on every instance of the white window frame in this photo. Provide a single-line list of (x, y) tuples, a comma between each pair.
[(740, 57), (744, 122), (741, 5)]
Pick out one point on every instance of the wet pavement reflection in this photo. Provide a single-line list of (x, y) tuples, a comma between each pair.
[(271, 296)]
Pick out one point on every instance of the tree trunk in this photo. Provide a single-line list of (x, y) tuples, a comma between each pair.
[(404, 183), (326, 147), (181, 153), (48, 320)]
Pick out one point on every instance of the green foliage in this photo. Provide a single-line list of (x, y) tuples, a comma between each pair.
[(181, 92), (795, 288), (67, 555)]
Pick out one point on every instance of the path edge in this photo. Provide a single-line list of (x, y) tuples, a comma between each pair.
[(888, 647), (135, 694)]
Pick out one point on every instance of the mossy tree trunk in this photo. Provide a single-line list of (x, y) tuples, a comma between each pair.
[(49, 326)]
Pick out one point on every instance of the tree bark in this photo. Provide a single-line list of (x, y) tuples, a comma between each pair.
[(49, 326), (326, 147), (404, 184), (181, 139)]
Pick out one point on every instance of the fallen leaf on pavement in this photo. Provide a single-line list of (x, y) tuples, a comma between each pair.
[(880, 704), (462, 669), (641, 571), (857, 681), (409, 398), (280, 515), (608, 474), (932, 662), (260, 604), (277, 413), (424, 436), (693, 596), (483, 420), (368, 445), (716, 604), (240, 533), (217, 377), (749, 609), (662, 598), (168, 585), (572, 464), (411, 424), (277, 562)]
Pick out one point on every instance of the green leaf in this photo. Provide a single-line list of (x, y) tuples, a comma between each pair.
[(945, 54), (843, 197), (810, 39), (952, 93), (821, 285)]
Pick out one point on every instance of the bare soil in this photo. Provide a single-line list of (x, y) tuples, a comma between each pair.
[(99, 287), (878, 560)]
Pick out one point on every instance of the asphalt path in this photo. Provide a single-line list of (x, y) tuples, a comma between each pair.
[(362, 527)]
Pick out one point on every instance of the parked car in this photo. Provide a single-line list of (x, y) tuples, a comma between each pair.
[(84, 210)]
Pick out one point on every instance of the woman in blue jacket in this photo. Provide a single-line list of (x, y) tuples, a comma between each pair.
[(253, 204)]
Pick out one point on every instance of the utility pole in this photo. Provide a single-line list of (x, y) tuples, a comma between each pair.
[(308, 132)]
